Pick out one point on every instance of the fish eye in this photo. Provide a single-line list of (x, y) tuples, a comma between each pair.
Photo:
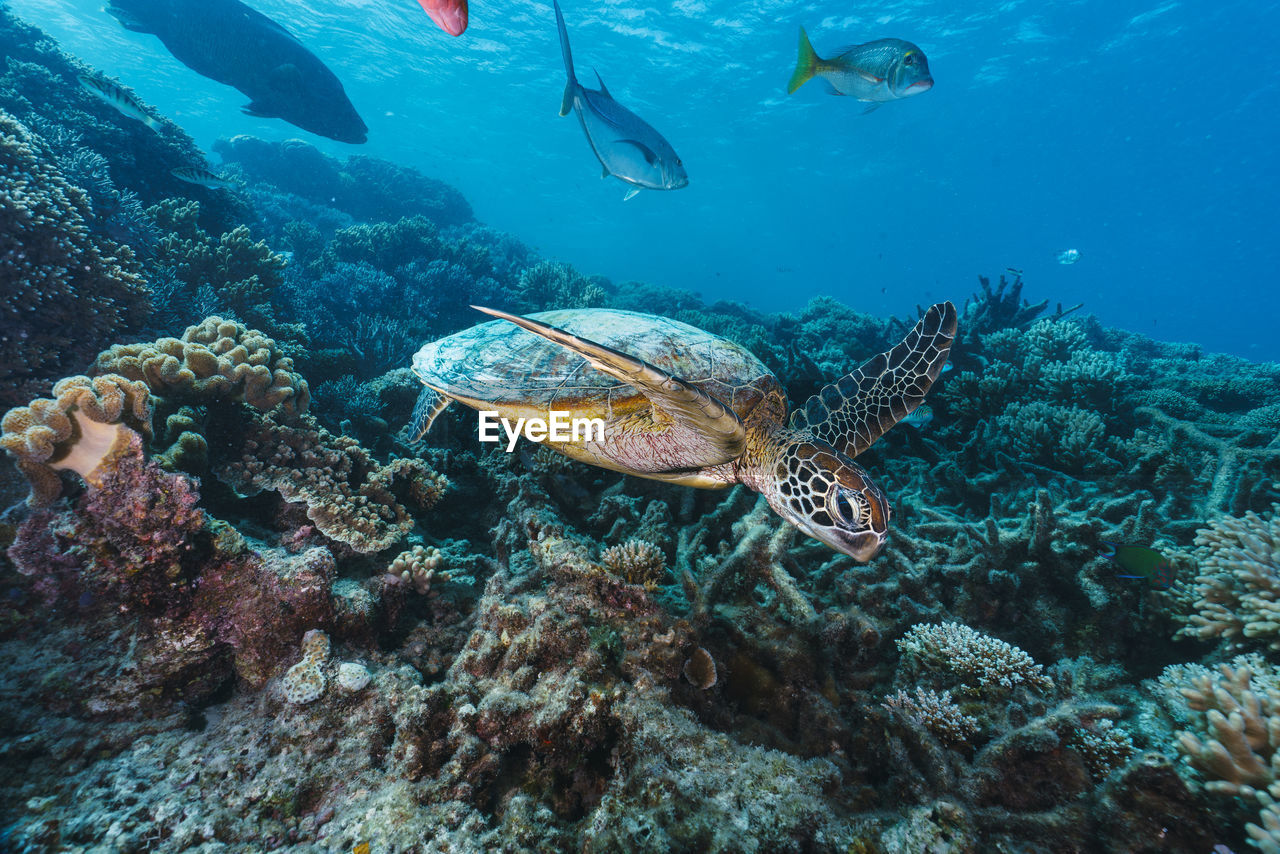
[(679, 162), (909, 60), (850, 508)]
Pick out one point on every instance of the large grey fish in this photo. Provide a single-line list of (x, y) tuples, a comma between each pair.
[(878, 71), (122, 101), (228, 42), (627, 147)]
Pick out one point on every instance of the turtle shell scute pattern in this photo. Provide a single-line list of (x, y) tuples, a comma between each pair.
[(502, 365)]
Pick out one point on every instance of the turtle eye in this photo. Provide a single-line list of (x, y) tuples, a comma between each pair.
[(850, 508)]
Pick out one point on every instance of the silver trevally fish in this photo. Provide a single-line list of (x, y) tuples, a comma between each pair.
[(122, 101), (878, 71), (626, 145), (203, 177)]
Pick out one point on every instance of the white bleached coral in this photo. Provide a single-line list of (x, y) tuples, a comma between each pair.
[(981, 664), (935, 711)]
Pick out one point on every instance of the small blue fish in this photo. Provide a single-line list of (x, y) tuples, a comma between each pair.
[(1141, 562), (920, 417)]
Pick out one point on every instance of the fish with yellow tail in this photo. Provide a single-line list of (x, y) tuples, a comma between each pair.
[(121, 101), (878, 71)]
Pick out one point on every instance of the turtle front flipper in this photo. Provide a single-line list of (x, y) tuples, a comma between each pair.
[(853, 412), (715, 424)]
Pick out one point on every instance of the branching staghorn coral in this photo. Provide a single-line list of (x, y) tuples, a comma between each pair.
[(65, 292), (1238, 589), (1234, 738), (935, 712), (637, 561), (760, 556), (243, 272)]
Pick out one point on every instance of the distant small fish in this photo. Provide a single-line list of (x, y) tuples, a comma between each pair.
[(946, 369), (203, 177), (1141, 562), (1068, 256), (878, 71), (449, 15), (920, 417), (120, 100)]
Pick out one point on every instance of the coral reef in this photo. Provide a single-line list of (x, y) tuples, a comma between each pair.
[(66, 292), (349, 496), (550, 656)]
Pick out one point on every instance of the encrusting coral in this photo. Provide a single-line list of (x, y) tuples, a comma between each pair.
[(350, 497), (304, 682)]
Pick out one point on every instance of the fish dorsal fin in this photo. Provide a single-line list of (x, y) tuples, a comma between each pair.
[(430, 404), (718, 430), (856, 410), (603, 89), (650, 156)]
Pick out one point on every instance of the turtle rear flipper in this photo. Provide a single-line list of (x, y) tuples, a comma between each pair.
[(715, 424), (853, 412), (430, 404)]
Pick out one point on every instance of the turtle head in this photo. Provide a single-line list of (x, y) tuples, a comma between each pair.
[(831, 498)]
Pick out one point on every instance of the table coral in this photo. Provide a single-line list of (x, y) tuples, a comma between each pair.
[(66, 291), (82, 428), (216, 358)]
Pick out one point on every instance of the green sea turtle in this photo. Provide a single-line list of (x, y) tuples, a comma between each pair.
[(685, 406)]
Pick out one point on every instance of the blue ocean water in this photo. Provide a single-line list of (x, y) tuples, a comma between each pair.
[(1140, 133)]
